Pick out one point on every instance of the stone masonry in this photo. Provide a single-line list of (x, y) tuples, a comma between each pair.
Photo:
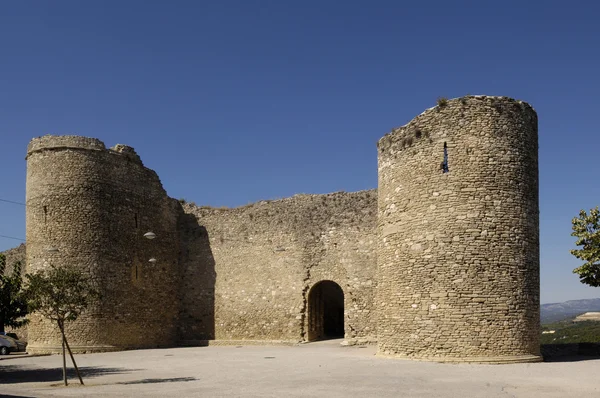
[(440, 263), (458, 251), (262, 260), (93, 205)]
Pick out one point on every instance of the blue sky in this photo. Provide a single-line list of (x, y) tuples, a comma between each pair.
[(236, 101)]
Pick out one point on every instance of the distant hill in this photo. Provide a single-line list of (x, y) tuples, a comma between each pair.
[(555, 312)]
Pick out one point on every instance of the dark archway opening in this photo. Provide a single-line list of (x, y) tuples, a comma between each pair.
[(325, 311)]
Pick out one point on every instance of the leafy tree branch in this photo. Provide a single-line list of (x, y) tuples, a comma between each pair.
[(13, 303), (586, 228), (61, 294)]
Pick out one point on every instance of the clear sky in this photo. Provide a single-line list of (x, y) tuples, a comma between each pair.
[(231, 102)]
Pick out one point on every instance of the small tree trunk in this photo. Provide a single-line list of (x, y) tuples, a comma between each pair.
[(71, 354), (64, 357)]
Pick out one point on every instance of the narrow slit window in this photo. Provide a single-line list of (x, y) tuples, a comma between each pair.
[(445, 168), (136, 220)]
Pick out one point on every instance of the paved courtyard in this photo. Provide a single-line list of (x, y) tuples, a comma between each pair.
[(323, 369)]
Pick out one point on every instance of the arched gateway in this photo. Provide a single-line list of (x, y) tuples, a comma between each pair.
[(325, 311)]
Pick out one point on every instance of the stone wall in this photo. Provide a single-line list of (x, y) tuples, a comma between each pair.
[(458, 251), (264, 258), (221, 274), (441, 263), (14, 255), (94, 205)]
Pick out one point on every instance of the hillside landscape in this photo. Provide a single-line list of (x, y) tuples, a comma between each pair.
[(554, 312)]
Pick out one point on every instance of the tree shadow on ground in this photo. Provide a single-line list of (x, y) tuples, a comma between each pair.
[(12, 374), (166, 380)]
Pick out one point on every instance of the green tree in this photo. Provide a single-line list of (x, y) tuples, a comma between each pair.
[(61, 294), (587, 230), (13, 305)]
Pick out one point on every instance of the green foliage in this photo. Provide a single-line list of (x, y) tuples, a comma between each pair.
[(442, 101), (13, 304), (60, 293), (587, 230), (566, 332)]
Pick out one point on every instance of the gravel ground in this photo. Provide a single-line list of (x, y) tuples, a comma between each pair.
[(323, 369)]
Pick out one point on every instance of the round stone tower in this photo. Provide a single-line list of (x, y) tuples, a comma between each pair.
[(90, 206), (458, 234)]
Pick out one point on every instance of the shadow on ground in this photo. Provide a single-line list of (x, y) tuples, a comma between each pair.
[(573, 352), (150, 381), (15, 396), (11, 374)]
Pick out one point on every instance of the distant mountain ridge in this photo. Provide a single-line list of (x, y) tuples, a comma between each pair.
[(554, 312)]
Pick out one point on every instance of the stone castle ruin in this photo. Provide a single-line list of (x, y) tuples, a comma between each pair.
[(441, 262)]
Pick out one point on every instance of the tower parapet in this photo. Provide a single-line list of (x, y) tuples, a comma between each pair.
[(63, 142)]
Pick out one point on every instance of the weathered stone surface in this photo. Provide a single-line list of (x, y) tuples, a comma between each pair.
[(16, 254), (265, 257), (467, 240), (441, 266), (94, 205)]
